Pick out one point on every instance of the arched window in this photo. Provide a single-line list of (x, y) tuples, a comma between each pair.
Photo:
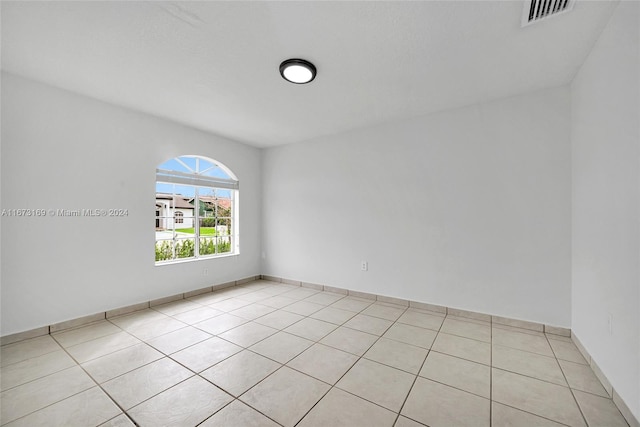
[(196, 209)]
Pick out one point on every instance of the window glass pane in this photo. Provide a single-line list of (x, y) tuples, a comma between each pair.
[(164, 250), (190, 162), (216, 172), (185, 248), (186, 191), (207, 227), (207, 245), (207, 168), (185, 213), (223, 226), (175, 165), (225, 194), (224, 244)]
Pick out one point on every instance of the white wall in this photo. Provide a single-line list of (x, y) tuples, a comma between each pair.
[(468, 208), (61, 150), (606, 236)]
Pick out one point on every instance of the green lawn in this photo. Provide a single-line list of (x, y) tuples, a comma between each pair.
[(204, 231)]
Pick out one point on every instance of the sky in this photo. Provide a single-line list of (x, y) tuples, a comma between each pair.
[(193, 164)]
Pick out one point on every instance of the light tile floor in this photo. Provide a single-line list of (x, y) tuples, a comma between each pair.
[(268, 354)]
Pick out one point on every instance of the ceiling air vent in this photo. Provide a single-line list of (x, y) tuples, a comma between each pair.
[(537, 10)]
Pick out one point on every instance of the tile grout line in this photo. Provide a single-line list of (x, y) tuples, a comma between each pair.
[(247, 321), (542, 380), (58, 401), (126, 414), (142, 341), (315, 404), (567, 381), (363, 309), (535, 415), (196, 374), (360, 357), (379, 336), (243, 283), (237, 399), (491, 374), (146, 343), (421, 367), (77, 364), (341, 325), (151, 397), (281, 364)]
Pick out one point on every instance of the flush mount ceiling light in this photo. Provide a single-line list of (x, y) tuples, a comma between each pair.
[(297, 71)]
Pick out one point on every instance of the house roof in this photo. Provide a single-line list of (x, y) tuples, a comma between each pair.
[(177, 202), (221, 202)]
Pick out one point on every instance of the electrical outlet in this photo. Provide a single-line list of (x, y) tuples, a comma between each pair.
[(364, 265), (205, 272)]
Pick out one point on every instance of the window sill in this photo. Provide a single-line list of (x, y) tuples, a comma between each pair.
[(183, 261)]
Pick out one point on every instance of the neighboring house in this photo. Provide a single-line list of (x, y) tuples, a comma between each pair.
[(170, 208), (209, 204)]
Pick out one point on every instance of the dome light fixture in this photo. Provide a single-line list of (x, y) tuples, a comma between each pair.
[(298, 71)]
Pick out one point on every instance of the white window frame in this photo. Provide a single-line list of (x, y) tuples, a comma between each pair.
[(198, 179)]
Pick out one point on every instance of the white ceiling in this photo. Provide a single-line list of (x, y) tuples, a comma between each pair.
[(214, 65)]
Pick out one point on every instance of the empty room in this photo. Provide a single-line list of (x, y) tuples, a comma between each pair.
[(320, 213)]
